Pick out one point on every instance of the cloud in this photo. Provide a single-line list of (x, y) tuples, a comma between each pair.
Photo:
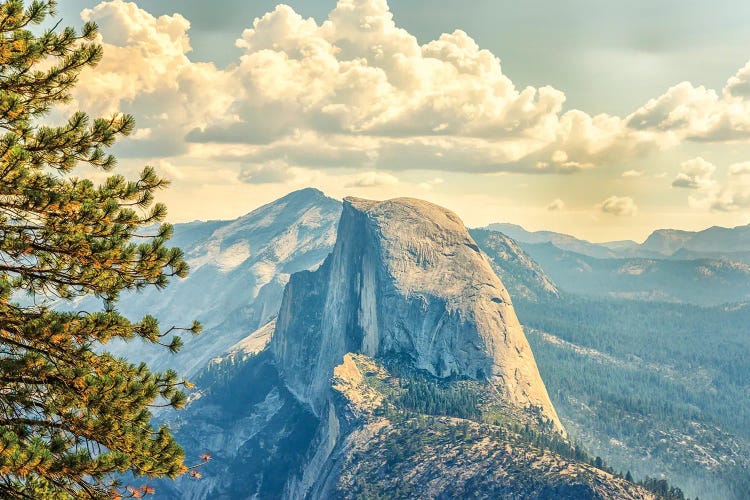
[(145, 71), (556, 205), (431, 184), (358, 92), (273, 172), (373, 179), (730, 196), (168, 169), (739, 85), (735, 194), (633, 174), (700, 114), (358, 75), (619, 206), (695, 174)]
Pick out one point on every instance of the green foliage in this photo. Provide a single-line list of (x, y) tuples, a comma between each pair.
[(675, 370), (71, 416), (562, 447), (421, 397), (430, 397), (662, 488)]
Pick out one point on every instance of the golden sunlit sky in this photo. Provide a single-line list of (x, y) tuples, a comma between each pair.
[(599, 119)]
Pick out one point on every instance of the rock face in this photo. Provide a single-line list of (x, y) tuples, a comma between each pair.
[(405, 280), (521, 275)]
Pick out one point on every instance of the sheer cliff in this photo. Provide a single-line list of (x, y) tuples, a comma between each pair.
[(405, 280)]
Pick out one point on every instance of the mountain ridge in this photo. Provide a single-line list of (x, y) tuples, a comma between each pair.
[(659, 244), (239, 269)]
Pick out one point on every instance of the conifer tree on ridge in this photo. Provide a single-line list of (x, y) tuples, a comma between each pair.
[(72, 417)]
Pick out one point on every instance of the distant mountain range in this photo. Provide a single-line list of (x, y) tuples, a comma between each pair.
[(714, 242), (566, 241), (711, 240), (709, 267), (701, 281)]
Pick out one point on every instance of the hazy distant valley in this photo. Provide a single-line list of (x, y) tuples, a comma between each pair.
[(650, 387)]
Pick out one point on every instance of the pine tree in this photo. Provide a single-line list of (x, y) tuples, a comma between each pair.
[(72, 417)]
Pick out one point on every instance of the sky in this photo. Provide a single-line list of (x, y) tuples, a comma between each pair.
[(604, 119)]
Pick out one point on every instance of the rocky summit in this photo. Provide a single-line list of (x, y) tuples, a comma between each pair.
[(405, 280)]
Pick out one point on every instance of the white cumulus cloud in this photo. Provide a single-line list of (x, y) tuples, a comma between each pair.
[(620, 206), (360, 93), (695, 174), (730, 196), (356, 88), (735, 194)]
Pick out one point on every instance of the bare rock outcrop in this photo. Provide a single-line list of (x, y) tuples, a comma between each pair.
[(405, 279)]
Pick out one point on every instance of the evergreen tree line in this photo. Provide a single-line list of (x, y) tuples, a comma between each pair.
[(430, 398), (73, 418), (676, 369), (426, 396)]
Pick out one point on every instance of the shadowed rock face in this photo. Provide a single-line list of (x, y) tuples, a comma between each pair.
[(405, 279)]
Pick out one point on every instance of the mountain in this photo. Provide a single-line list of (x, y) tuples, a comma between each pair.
[(703, 281), (565, 241), (238, 272), (405, 279), (713, 239), (396, 369), (683, 254), (667, 241), (714, 242), (521, 274), (659, 397)]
